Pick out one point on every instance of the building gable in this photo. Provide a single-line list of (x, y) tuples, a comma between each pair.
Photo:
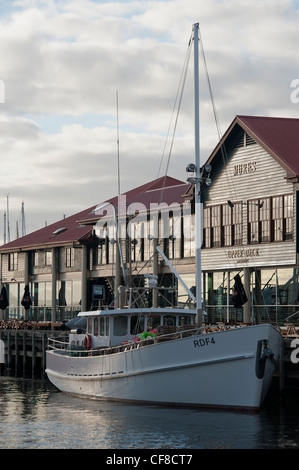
[(279, 137)]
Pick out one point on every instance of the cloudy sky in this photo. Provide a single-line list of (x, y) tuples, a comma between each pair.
[(62, 64)]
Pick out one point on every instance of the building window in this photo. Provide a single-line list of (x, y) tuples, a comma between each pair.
[(35, 258), (265, 219), (216, 225), (270, 219), (222, 225), (277, 213), (174, 241), (259, 220), (282, 215), (146, 241), (253, 222), (102, 251), (227, 225), (13, 262), (188, 230), (69, 257), (207, 239), (237, 223), (288, 217), (48, 258)]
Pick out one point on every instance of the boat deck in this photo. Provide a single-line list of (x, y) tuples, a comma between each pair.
[(25, 349)]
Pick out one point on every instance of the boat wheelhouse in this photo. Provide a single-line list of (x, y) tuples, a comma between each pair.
[(109, 328)]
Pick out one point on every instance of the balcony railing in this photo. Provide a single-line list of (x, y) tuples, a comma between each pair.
[(42, 314), (274, 314)]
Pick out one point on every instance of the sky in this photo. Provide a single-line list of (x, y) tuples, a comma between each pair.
[(76, 75)]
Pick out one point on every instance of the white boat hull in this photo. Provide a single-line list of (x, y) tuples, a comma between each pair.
[(222, 368)]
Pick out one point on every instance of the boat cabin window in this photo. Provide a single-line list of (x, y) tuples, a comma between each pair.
[(96, 327), (120, 325), (169, 320), (153, 322), (89, 325), (137, 324), (184, 320), (102, 326)]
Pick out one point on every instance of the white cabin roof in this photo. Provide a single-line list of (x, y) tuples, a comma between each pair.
[(138, 311)]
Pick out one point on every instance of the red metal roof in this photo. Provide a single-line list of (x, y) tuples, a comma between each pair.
[(53, 235), (279, 136), (75, 229), (163, 190)]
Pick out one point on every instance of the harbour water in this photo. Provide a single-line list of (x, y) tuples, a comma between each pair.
[(34, 415)]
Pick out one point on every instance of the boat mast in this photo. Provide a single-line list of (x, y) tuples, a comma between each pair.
[(197, 179)]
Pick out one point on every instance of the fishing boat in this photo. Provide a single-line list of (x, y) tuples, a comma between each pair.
[(168, 356)]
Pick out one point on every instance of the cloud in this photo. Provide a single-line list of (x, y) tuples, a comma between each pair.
[(62, 63)]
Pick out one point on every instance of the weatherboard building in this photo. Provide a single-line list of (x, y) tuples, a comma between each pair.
[(249, 227)]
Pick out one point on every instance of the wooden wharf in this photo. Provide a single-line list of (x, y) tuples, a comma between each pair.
[(25, 348)]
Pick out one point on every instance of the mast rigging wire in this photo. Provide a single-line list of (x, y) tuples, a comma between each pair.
[(177, 104)]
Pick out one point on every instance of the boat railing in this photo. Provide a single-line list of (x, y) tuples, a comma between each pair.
[(66, 349), (58, 346)]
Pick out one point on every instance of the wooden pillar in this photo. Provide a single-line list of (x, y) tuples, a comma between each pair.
[(26, 279), (8, 349), (117, 280), (155, 271), (33, 353), (246, 307), (16, 352), (227, 297), (54, 279), (24, 352), (84, 279), (258, 296), (2, 312)]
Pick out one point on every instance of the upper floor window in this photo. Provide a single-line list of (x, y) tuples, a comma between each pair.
[(237, 223), (13, 262), (222, 225), (174, 240), (259, 220), (227, 225), (35, 258), (216, 226), (48, 258), (207, 230), (269, 219), (282, 210), (69, 257)]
